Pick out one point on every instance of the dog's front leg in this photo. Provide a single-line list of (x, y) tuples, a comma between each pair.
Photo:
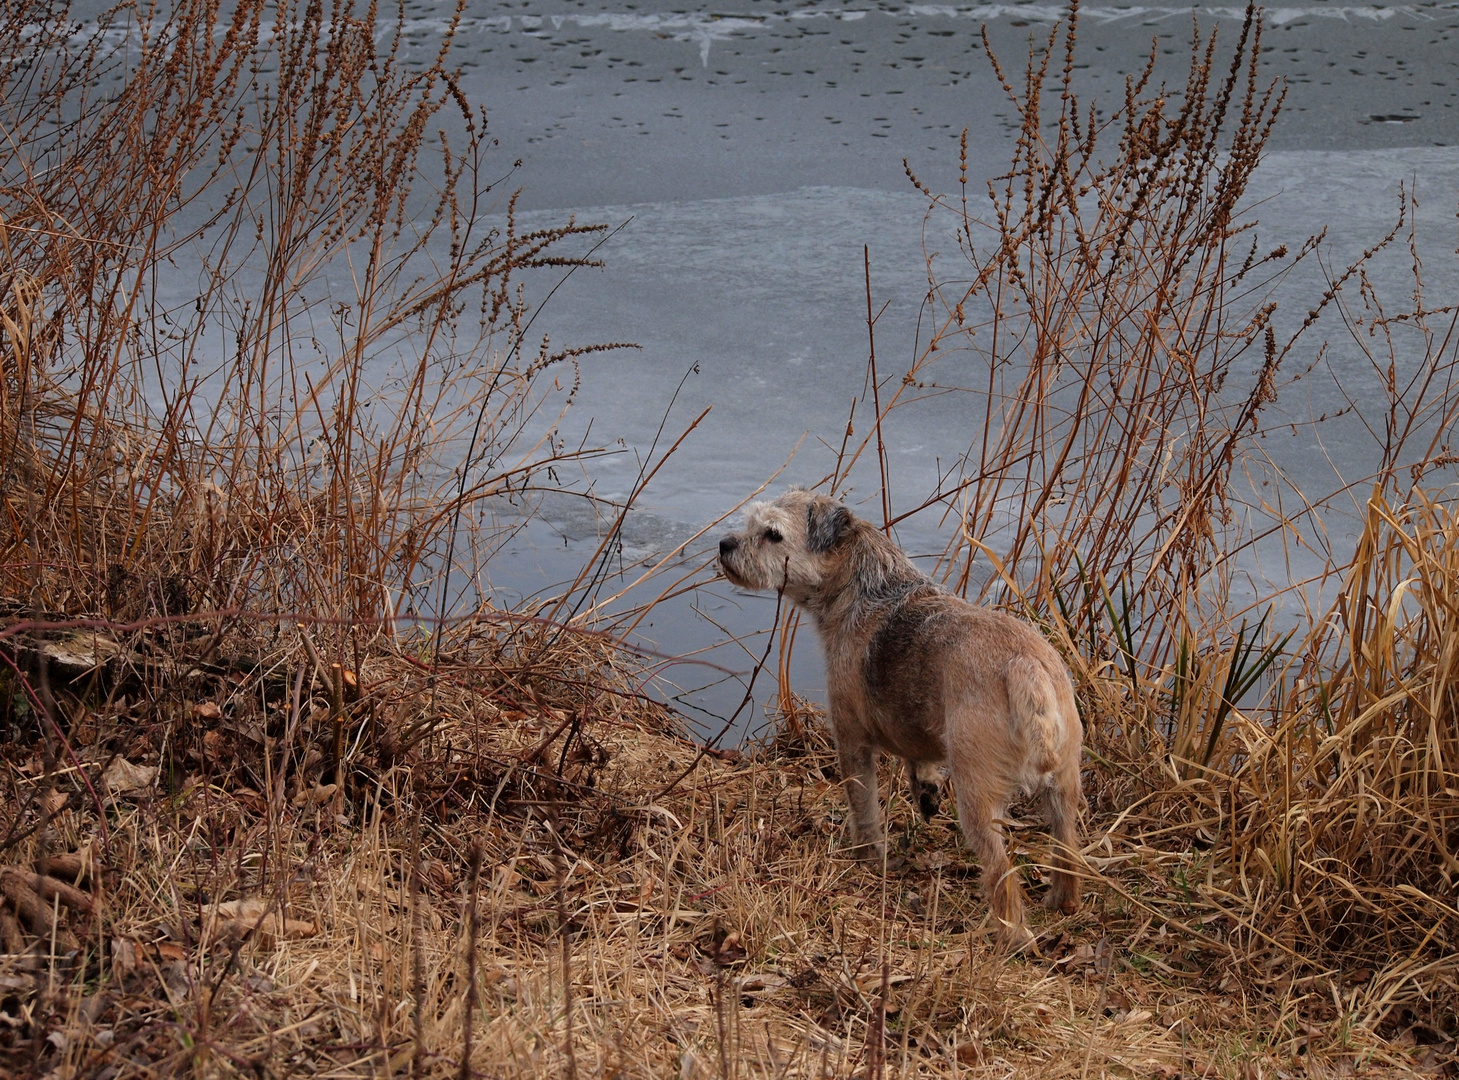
[(858, 774)]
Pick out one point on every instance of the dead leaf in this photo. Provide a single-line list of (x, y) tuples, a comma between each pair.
[(436, 873), (871, 982), (970, 1053), (759, 984), (318, 795), (236, 919), (1083, 954), (171, 951), (122, 777), (215, 745), (730, 950), (252, 908), (251, 800), (123, 957), (207, 710)]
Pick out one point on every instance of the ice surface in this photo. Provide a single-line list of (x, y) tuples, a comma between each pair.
[(754, 150)]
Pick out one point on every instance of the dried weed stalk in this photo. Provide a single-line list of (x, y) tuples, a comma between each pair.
[(1281, 749)]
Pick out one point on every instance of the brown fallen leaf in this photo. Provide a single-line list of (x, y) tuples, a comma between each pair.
[(970, 1053), (170, 951), (236, 919), (954, 959), (759, 984), (207, 710), (730, 950), (318, 795), (436, 873), (251, 800), (122, 777), (215, 745), (123, 957)]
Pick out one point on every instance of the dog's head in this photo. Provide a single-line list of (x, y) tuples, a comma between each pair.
[(786, 544)]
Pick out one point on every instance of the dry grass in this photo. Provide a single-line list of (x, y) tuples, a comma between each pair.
[(712, 929), (281, 431), (260, 822), (1268, 709)]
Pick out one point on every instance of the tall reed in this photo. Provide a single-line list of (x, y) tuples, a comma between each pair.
[(1291, 716), (265, 335)]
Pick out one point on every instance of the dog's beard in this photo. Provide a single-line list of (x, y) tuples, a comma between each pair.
[(734, 576)]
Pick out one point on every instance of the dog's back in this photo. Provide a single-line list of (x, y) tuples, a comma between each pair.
[(946, 681)]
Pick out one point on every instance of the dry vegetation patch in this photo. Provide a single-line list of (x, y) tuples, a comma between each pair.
[(624, 924), (274, 805)]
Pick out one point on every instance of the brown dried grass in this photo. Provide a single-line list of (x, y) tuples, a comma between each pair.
[(713, 929), (486, 850), (1278, 747)]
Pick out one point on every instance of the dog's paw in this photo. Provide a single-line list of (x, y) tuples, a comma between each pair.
[(1061, 902), (1016, 938), (929, 799), (874, 854)]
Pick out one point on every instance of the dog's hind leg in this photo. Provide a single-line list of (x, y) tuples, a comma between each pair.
[(924, 781), (1061, 803), (978, 810)]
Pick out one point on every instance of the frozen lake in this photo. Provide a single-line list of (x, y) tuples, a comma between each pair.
[(752, 150)]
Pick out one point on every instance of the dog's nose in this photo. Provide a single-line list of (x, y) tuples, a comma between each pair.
[(728, 544)]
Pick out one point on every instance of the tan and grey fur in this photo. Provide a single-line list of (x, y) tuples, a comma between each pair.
[(921, 673)]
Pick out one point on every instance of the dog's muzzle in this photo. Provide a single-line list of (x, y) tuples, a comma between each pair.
[(727, 548)]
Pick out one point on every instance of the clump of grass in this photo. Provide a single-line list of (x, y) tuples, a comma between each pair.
[(715, 930), (1284, 745), (269, 404), (341, 390)]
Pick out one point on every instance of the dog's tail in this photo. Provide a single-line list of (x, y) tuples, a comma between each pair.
[(1034, 701)]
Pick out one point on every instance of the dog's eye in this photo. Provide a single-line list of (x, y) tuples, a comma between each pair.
[(773, 535)]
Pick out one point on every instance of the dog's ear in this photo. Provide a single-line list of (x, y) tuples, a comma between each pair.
[(827, 523)]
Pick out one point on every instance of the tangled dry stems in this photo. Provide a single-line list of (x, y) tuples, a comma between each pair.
[(1272, 870), (1288, 732), (713, 929)]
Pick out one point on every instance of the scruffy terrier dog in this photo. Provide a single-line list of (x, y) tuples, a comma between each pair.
[(918, 672)]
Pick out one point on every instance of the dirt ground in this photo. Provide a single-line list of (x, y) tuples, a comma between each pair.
[(638, 907)]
